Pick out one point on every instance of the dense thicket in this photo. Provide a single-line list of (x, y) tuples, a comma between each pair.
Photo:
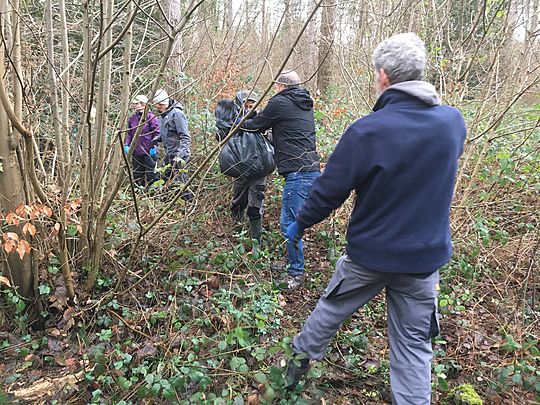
[(144, 298)]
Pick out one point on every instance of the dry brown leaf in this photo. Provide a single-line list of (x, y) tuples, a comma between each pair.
[(213, 282), (29, 357), (147, 350), (67, 319), (5, 281), (29, 228), (20, 210), (58, 298), (9, 245), (53, 332), (9, 218), (72, 362), (26, 245), (56, 229), (12, 235), (21, 250), (47, 211)]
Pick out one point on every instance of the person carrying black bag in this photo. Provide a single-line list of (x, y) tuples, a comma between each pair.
[(249, 186), (289, 113)]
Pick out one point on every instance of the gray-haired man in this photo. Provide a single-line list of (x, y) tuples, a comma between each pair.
[(401, 161), (290, 115)]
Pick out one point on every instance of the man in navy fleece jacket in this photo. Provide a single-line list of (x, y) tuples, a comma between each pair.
[(401, 160)]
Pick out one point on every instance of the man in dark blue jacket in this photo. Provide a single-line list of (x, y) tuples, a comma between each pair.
[(401, 161), (290, 115)]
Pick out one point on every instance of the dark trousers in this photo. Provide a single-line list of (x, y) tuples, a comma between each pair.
[(250, 195), (177, 173), (143, 170)]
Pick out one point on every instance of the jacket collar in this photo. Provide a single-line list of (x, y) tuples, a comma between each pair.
[(389, 97)]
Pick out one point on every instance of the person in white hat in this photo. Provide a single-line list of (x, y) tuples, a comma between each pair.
[(174, 134), (145, 151)]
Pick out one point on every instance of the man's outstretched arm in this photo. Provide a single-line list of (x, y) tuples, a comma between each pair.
[(265, 119), (346, 169)]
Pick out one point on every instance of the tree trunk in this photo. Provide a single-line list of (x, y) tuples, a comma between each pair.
[(228, 15), (324, 75), (54, 93), (12, 188), (66, 85), (116, 172), (286, 30), (172, 10), (103, 102), (86, 145), (264, 28)]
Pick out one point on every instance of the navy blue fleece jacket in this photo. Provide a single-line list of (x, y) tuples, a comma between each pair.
[(401, 160)]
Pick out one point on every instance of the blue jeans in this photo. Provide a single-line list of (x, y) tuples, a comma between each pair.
[(296, 190)]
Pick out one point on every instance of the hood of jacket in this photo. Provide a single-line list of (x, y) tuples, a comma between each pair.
[(298, 96), (424, 91), (175, 104), (244, 95)]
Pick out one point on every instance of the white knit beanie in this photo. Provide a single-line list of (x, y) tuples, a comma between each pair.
[(161, 97), (141, 98)]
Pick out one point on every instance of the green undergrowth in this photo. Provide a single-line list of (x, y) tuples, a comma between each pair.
[(200, 319)]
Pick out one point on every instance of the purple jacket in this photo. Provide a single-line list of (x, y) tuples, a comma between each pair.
[(149, 131)]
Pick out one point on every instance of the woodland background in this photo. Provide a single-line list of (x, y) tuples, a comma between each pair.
[(112, 295)]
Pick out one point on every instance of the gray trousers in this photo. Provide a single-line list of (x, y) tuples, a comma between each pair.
[(412, 321)]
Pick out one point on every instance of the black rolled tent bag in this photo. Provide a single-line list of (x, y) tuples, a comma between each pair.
[(247, 155)]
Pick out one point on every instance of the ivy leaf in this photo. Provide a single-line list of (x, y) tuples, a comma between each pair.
[(222, 345), (124, 383), (236, 362), (44, 289)]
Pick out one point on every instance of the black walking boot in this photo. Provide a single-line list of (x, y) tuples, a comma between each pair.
[(255, 226), (296, 369)]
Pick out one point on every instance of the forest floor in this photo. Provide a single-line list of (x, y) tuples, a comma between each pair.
[(200, 319)]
